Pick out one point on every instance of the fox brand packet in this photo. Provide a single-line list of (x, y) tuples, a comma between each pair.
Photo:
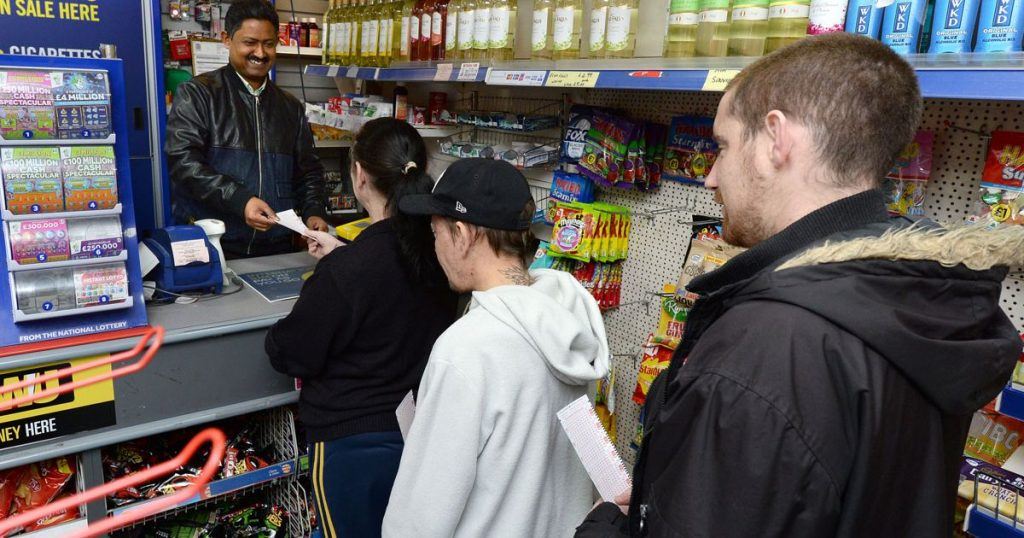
[(606, 149)]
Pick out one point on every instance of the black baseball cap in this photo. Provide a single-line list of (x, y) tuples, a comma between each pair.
[(484, 192)]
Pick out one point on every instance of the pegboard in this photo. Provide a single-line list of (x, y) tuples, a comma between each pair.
[(657, 247)]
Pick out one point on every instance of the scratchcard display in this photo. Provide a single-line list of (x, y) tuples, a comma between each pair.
[(98, 285), (90, 177), (26, 105), (32, 179), (81, 101), (95, 238), (39, 241)]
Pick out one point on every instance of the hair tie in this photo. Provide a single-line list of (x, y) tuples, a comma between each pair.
[(409, 166)]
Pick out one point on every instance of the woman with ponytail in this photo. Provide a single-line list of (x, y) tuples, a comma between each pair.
[(361, 331)]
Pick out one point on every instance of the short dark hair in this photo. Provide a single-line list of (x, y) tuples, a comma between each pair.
[(521, 244), (243, 10), (860, 100)]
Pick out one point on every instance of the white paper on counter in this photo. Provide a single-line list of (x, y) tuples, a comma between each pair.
[(595, 449)]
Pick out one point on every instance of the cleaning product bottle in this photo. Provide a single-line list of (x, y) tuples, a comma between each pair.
[(502, 31), (620, 35), (482, 29), (713, 28), (901, 26), (543, 26), (787, 22), (864, 17), (566, 34), (826, 17), (748, 28), (682, 28), (598, 28), (1000, 26)]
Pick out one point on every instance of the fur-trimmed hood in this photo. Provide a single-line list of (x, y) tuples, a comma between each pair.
[(925, 297)]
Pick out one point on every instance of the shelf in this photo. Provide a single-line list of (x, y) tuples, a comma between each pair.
[(110, 140), (343, 212), (1010, 402), (959, 76), (56, 531), (14, 266), (983, 524), (332, 143), (20, 316), (407, 72), (429, 131), (116, 210), (300, 52), (225, 486)]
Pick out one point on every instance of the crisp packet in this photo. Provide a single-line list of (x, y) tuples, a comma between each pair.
[(656, 357), (993, 437)]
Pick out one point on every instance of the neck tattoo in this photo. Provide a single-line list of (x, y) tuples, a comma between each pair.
[(517, 276)]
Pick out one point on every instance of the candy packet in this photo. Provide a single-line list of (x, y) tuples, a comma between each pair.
[(572, 235), (672, 319), (691, 150), (905, 183), (566, 187), (993, 437), (1001, 195), (606, 148)]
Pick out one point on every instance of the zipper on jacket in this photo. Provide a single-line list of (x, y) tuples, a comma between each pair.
[(259, 165), (643, 518)]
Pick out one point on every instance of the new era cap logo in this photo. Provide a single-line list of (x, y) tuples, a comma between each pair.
[(459, 207)]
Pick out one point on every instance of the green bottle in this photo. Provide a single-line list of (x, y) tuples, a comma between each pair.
[(682, 28), (748, 28), (787, 22)]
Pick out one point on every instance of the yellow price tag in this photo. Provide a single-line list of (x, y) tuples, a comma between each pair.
[(718, 79), (572, 79)]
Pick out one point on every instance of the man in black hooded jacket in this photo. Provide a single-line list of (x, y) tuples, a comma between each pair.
[(826, 377)]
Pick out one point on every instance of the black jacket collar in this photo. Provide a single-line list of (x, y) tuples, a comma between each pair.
[(842, 215)]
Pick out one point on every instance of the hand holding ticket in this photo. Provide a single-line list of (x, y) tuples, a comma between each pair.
[(595, 450), (290, 220)]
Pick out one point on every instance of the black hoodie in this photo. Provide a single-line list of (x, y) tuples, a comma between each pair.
[(829, 379)]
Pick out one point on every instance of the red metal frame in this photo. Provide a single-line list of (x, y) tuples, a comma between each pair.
[(218, 443)]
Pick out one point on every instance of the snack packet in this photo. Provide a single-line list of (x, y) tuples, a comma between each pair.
[(691, 149), (672, 319), (41, 483), (1001, 195), (993, 437), (656, 357), (566, 187), (905, 183), (68, 514), (572, 235), (606, 149), (9, 480)]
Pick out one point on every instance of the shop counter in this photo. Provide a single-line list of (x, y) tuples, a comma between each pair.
[(211, 366)]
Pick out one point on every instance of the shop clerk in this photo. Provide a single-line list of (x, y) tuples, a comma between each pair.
[(239, 148)]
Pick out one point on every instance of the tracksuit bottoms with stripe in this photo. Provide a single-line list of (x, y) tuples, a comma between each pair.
[(352, 478)]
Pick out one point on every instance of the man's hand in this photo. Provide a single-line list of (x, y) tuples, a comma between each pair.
[(320, 243), (318, 224), (259, 215), (623, 501)]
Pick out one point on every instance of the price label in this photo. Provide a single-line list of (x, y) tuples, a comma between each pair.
[(332, 71), (516, 78), (718, 79), (443, 73), (572, 79), (353, 72), (469, 71)]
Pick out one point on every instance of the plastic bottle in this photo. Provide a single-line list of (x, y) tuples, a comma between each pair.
[(438, 27), (620, 34), (953, 24), (294, 33), (713, 28), (482, 29), (467, 16), (748, 28), (451, 31), (566, 29), (598, 28), (501, 41), (901, 25), (1000, 26), (787, 22), (314, 34), (826, 17), (864, 17), (543, 26), (682, 28), (303, 32)]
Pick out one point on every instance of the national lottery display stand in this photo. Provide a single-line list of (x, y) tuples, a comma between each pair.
[(70, 259)]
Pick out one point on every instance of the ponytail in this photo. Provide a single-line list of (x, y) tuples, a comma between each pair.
[(394, 155)]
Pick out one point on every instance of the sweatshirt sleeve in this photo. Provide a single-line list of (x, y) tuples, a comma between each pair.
[(438, 466), (322, 319)]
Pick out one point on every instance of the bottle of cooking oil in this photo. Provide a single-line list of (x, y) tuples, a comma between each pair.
[(713, 28), (451, 32), (543, 25), (501, 41), (682, 28), (787, 22), (482, 29), (598, 26), (748, 28), (566, 34), (620, 35)]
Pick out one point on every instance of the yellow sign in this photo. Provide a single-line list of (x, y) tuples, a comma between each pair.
[(718, 79), (572, 79), (87, 408)]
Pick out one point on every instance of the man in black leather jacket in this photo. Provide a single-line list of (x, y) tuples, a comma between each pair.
[(239, 148)]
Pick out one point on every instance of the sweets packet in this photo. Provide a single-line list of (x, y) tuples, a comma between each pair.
[(993, 437), (572, 235), (567, 187), (1002, 182), (691, 149), (905, 183)]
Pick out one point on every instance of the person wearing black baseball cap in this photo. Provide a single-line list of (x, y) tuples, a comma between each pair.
[(485, 455)]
